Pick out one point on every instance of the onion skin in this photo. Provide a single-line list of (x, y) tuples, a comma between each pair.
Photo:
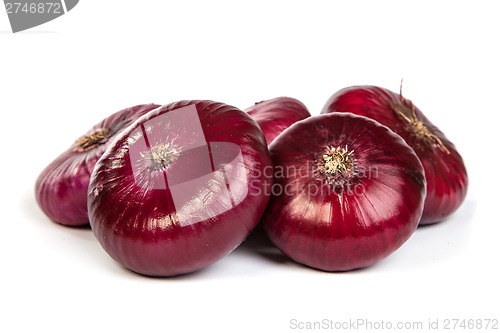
[(445, 171), (352, 224), (174, 217), (277, 114), (61, 188)]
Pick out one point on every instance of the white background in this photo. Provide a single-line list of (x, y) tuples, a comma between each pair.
[(59, 79)]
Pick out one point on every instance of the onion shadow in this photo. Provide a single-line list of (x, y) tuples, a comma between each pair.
[(258, 243), (435, 243)]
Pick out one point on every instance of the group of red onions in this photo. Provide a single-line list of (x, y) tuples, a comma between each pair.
[(171, 189)]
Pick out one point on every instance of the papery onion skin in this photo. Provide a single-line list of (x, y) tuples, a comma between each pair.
[(445, 171), (373, 211), (180, 188), (61, 188), (277, 114)]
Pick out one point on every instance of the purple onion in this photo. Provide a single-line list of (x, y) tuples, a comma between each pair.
[(181, 188), (445, 171), (347, 192), (277, 114), (61, 188)]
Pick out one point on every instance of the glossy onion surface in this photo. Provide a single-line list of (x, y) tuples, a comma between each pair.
[(347, 192), (444, 168), (180, 188), (277, 114), (61, 188)]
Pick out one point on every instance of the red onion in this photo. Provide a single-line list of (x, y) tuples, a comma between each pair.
[(277, 114), (180, 188), (348, 193), (61, 188), (444, 168)]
